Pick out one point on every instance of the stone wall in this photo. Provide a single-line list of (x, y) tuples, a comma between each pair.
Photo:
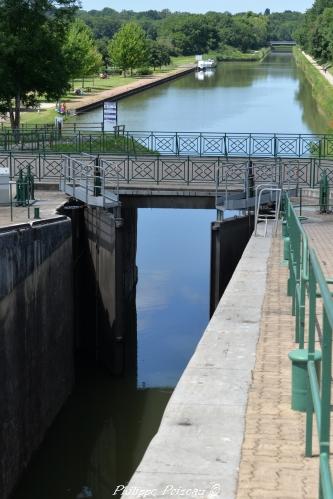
[(36, 342)]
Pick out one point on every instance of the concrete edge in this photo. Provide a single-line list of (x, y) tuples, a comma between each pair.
[(199, 441), (32, 223)]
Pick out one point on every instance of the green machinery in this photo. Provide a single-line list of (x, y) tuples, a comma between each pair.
[(25, 189)]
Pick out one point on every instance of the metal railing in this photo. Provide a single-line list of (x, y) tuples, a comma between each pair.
[(84, 179), (77, 138), (303, 172), (309, 288)]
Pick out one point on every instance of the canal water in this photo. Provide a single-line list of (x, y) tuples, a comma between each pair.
[(271, 96), (102, 432)]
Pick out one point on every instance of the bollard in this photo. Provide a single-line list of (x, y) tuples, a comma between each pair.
[(300, 376), (36, 213)]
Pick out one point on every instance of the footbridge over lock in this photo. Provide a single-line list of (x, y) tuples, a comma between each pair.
[(165, 169), (155, 181), (195, 164)]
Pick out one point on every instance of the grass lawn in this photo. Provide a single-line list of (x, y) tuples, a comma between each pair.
[(96, 85), (99, 142)]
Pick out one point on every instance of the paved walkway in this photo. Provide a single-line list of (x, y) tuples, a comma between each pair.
[(125, 90), (273, 463), (47, 201), (327, 75)]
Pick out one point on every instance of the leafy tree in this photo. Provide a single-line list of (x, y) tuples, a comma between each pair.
[(267, 12), (315, 35), (158, 54), (282, 25), (191, 33), (128, 48), (32, 61), (102, 45), (104, 23), (81, 52)]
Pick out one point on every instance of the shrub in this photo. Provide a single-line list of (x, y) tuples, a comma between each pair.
[(144, 71)]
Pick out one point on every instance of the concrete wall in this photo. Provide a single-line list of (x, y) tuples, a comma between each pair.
[(228, 241), (36, 342)]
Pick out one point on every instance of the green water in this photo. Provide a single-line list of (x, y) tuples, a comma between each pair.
[(271, 96)]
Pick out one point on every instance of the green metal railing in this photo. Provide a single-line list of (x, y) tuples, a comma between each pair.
[(83, 137), (312, 305)]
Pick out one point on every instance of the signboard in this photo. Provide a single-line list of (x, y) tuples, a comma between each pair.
[(110, 111)]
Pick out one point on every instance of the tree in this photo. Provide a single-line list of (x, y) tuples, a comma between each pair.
[(267, 12), (315, 35), (158, 54), (81, 51), (191, 33), (32, 61), (128, 48)]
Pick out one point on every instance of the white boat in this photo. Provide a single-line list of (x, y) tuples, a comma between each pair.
[(203, 65)]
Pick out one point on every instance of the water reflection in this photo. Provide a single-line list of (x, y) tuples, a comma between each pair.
[(102, 432), (173, 290), (98, 439), (203, 75), (237, 97)]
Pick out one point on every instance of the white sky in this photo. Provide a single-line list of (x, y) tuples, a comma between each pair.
[(199, 6)]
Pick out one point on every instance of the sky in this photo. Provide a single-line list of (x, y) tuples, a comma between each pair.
[(199, 6)]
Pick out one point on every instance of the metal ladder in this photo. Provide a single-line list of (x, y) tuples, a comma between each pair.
[(275, 193)]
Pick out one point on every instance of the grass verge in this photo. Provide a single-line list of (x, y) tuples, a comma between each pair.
[(322, 90)]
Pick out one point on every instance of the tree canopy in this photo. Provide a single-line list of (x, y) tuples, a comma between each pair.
[(315, 34), (186, 34), (128, 48), (32, 61), (81, 50)]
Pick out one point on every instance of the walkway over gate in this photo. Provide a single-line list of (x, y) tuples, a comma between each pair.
[(176, 172)]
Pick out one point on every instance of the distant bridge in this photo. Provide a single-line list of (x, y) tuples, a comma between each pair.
[(282, 42)]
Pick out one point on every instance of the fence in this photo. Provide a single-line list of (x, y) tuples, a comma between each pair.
[(308, 287), (83, 137), (185, 170)]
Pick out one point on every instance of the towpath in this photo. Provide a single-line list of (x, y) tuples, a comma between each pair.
[(327, 75), (90, 101), (273, 463)]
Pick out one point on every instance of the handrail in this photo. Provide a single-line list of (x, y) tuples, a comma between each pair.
[(90, 176), (248, 145), (306, 285), (269, 188)]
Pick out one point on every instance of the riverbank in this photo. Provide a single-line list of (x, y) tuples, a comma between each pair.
[(321, 82), (94, 86), (231, 54), (89, 102)]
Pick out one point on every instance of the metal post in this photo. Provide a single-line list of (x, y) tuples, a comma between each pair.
[(326, 386), (311, 356), (11, 200)]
